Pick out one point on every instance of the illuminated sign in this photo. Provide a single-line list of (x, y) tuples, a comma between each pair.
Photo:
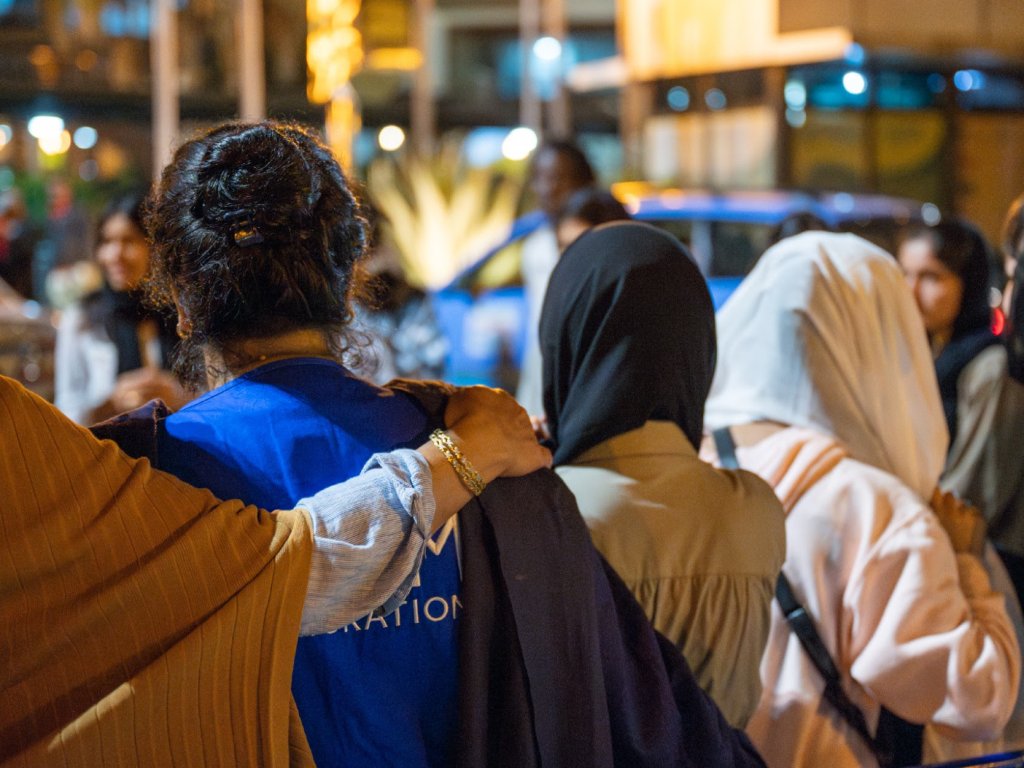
[(673, 38)]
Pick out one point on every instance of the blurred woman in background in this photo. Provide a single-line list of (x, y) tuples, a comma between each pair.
[(113, 351), (948, 268)]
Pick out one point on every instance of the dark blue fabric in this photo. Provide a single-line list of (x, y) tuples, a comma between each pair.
[(383, 690)]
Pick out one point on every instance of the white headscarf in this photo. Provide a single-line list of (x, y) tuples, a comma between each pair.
[(824, 334)]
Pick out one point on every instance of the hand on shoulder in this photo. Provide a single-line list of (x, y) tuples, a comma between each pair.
[(495, 432)]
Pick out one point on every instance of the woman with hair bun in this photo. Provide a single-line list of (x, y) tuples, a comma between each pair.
[(515, 646)]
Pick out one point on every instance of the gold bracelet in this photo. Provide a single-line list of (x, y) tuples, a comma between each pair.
[(469, 476)]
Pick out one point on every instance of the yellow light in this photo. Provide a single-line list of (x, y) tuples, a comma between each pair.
[(86, 60), (42, 56), (343, 123), (674, 38), (323, 7), (55, 143), (334, 48), (397, 59)]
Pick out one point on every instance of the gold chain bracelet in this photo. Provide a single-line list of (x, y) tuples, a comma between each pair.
[(469, 476)]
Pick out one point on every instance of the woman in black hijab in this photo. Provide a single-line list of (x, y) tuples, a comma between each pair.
[(627, 335)]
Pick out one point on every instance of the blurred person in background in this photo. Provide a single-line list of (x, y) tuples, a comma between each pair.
[(826, 385), (113, 350), (404, 337), (947, 267), (586, 208), (628, 340), (558, 169)]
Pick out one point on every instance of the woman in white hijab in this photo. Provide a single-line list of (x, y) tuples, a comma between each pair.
[(827, 385)]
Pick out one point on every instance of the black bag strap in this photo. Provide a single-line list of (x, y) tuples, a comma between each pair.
[(803, 627)]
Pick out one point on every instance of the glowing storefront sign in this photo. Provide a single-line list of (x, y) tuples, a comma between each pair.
[(674, 38)]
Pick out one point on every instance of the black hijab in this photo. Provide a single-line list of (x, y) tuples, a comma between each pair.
[(627, 333)]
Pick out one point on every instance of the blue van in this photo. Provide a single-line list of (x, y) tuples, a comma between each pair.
[(483, 311)]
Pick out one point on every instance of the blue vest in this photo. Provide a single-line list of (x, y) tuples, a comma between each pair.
[(381, 691)]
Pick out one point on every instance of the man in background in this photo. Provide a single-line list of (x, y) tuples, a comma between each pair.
[(559, 169)]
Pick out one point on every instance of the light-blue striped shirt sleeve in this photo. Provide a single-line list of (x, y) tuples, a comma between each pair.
[(369, 535)]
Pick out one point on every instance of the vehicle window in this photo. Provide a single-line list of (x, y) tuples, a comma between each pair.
[(737, 246), (721, 248)]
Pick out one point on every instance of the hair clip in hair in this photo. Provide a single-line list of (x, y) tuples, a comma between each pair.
[(243, 229)]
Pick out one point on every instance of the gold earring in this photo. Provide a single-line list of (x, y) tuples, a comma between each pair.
[(184, 329)]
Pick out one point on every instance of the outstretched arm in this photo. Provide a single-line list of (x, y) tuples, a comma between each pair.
[(369, 532)]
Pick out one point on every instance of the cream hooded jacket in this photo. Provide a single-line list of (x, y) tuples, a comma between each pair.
[(824, 336)]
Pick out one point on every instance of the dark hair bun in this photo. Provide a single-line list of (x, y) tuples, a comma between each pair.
[(257, 230), (237, 183)]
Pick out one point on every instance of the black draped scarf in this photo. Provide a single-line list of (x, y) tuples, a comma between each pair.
[(627, 334), (121, 313)]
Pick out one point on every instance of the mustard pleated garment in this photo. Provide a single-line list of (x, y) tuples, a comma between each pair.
[(142, 621)]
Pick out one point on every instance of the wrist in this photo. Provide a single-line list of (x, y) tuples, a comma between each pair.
[(455, 455), (486, 456)]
